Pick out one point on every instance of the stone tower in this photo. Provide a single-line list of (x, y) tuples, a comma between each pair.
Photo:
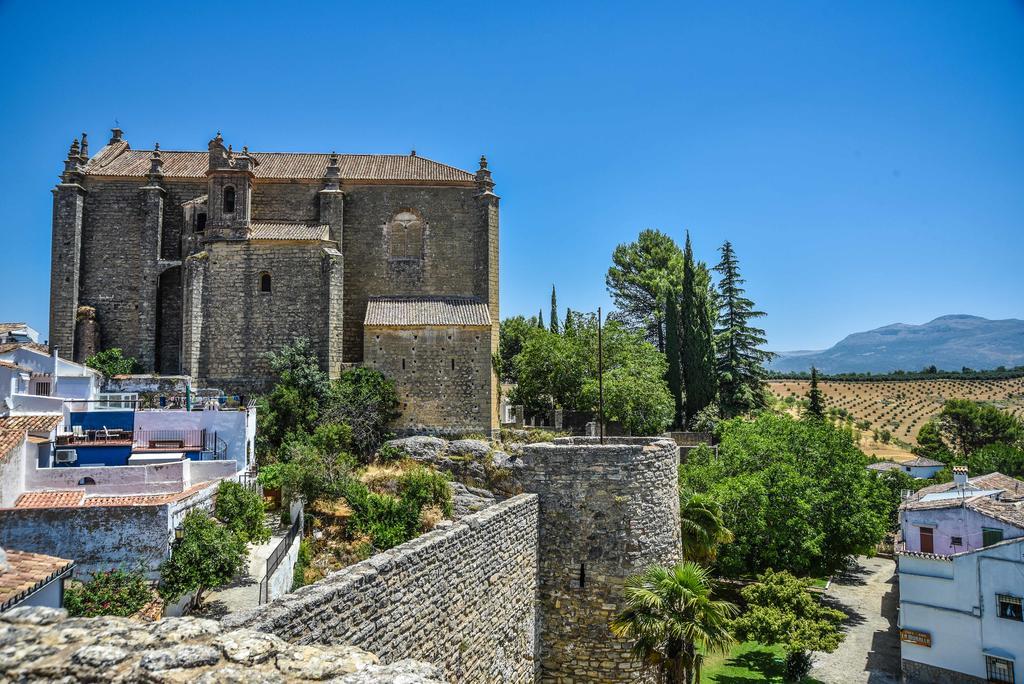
[(606, 512)]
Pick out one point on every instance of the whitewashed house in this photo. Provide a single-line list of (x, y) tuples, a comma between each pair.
[(961, 579)]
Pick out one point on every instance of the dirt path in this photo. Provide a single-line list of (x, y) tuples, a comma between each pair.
[(871, 651)]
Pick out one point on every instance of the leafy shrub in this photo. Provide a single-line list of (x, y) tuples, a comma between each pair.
[(115, 592), (302, 562), (425, 487), (389, 453), (243, 511), (367, 402), (206, 556), (271, 476), (113, 362)]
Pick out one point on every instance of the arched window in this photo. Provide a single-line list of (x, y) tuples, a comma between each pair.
[(264, 282), (229, 200), (405, 236), (86, 481), (200, 223)]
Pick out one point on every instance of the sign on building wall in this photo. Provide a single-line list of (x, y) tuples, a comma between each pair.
[(912, 636)]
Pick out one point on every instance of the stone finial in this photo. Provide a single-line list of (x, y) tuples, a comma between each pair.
[(483, 177), (413, 153), (116, 135), (332, 175), (156, 164), (74, 150), (84, 154), (73, 164)]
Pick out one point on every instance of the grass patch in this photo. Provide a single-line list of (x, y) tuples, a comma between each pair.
[(748, 663)]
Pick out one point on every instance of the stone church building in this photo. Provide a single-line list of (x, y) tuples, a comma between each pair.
[(200, 263)]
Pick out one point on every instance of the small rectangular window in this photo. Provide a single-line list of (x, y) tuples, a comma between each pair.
[(991, 535), (43, 389), (453, 364), (1009, 607), (403, 364), (999, 669), (956, 541)]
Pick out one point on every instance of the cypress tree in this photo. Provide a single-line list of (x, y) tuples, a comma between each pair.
[(674, 375), (815, 399), (568, 326), (540, 319), (553, 324), (740, 359), (697, 339)]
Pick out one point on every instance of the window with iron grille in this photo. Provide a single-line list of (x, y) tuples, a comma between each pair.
[(956, 541), (43, 389), (1009, 607), (999, 669)]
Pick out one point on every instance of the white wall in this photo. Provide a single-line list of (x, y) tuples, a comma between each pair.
[(283, 578), (164, 478), (955, 601), (951, 522), (230, 426), (12, 473), (51, 596)]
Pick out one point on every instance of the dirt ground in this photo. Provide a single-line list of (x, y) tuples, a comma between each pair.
[(871, 650)]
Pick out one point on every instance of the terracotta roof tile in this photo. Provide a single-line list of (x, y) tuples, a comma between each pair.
[(144, 499), (284, 165), (421, 311), (26, 572), (10, 327), (14, 366), (32, 423), (9, 438), (51, 499), (288, 231), (35, 346)]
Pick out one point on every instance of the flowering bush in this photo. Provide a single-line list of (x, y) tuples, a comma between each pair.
[(115, 592)]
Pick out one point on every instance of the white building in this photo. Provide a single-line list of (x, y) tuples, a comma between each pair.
[(961, 578), (920, 468)]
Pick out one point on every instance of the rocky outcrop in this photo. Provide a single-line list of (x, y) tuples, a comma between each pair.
[(43, 644), (475, 463)]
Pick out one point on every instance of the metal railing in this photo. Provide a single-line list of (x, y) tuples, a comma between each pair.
[(278, 555), (170, 439)]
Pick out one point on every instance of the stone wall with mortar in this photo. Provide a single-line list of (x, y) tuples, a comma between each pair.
[(461, 597), (239, 324), (442, 375), (606, 512)]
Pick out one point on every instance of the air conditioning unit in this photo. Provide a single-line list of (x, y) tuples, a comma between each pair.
[(66, 456)]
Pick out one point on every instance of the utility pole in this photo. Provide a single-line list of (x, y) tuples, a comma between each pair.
[(600, 378)]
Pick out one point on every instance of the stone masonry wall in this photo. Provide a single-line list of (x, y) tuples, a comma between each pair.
[(461, 597), (455, 242), (443, 376), (606, 513), (241, 324)]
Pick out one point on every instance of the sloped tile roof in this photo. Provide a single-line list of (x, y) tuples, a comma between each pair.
[(284, 165), (1008, 507), (9, 438), (33, 423), (423, 311), (10, 327), (882, 466), (26, 572), (52, 499), (35, 346), (14, 366), (922, 462), (288, 231)]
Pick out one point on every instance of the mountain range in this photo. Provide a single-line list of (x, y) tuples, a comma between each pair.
[(948, 342)]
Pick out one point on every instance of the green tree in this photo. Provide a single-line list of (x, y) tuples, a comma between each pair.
[(114, 592), (966, 426), (815, 398), (366, 401), (929, 441), (242, 511), (741, 373), (697, 344), (299, 400), (206, 556), (540, 319), (553, 325), (796, 495), (674, 621), (703, 526), (674, 377), (780, 610), (316, 465), (896, 482), (113, 362), (551, 371), (512, 334), (642, 272)]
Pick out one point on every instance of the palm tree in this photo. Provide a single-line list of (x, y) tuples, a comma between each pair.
[(674, 620), (703, 526)]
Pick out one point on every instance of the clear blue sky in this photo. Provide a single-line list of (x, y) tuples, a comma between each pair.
[(865, 158)]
